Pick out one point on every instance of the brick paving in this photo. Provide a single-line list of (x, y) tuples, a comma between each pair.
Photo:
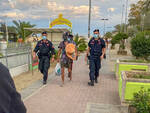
[(75, 95)]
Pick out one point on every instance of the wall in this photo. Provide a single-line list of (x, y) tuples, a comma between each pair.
[(18, 70)]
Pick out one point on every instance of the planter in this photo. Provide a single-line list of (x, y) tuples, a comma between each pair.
[(112, 47), (122, 52), (132, 109), (128, 84), (130, 66)]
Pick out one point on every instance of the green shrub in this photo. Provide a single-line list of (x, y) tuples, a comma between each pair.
[(82, 47), (56, 55), (1, 55), (140, 45), (141, 101), (80, 43), (119, 39)]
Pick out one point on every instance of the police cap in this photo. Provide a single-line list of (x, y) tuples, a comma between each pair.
[(96, 30), (44, 32)]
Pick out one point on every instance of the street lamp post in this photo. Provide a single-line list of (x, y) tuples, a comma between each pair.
[(126, 16), (104, 19), (122, 17), (89, 23)]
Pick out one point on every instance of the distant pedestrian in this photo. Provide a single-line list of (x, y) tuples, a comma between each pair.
[(10, 99), (43, 49), (96, 49), (106, 42), (20, 40)]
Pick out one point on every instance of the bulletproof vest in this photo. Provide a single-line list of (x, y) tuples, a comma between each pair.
[(96, 48), (44, 48)]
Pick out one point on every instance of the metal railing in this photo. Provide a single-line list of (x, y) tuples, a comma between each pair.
[(14, 57), (18, 54)]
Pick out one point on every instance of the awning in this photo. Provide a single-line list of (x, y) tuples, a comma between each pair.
[(48, 30)]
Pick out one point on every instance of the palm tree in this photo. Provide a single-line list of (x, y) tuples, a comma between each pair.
[(146, 6), (19, 26), (80, 43), (108, 35)]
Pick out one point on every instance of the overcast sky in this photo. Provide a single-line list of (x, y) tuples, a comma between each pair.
[(41, 12)]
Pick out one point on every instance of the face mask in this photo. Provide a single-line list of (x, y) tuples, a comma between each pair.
[(44, 37), (69, 39), (95, 35)]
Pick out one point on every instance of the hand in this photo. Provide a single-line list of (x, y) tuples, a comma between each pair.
[(53, 59), (58, 60), (86, 58), (76, 56), (34, 55), (102, 57)]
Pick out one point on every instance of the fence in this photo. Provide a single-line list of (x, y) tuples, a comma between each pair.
[(14, 57), (17, 54)]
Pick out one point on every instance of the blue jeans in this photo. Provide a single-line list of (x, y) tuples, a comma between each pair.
[(95, 65)]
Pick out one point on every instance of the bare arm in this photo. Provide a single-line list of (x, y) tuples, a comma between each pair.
[(88, 51), (103, 51), (58, 56)]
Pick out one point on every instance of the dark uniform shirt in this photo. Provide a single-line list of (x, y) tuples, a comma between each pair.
[(96, 47), (10, 99), (44, 48)]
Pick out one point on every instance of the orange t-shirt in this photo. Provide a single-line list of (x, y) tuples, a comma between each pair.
[(20, 40)]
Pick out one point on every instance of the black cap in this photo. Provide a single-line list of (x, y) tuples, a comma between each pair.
[(44, 32), (96, 30), (71, 36)]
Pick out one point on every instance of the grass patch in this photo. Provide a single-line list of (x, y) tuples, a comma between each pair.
[(136, 61)]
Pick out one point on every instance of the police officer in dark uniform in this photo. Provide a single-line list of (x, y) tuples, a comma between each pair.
[(44, 50), (96, 48)]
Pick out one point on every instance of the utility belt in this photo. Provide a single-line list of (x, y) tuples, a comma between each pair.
[(40, 55)]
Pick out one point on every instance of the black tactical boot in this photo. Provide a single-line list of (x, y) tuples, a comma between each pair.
[(96, 81), (44, 82), (91, 83)]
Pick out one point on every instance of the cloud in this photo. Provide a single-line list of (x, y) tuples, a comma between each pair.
[(14, 15), (74, 11)]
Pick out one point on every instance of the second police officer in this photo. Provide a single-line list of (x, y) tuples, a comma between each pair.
[(96, 48), (44, 50)]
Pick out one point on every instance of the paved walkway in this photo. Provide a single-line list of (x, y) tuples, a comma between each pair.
[(76, 95)]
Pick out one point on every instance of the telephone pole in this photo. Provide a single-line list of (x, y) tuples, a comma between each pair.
[(89, 23)]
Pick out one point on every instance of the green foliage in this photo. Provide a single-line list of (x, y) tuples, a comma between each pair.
[(108, 35), (141, 101), (140, 45), (80, 43), (141, 76), (82, 47), (119, 38), (1, 55), (137, 12), (19, 27), (114, 41), (56, 55), (119, 28)]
